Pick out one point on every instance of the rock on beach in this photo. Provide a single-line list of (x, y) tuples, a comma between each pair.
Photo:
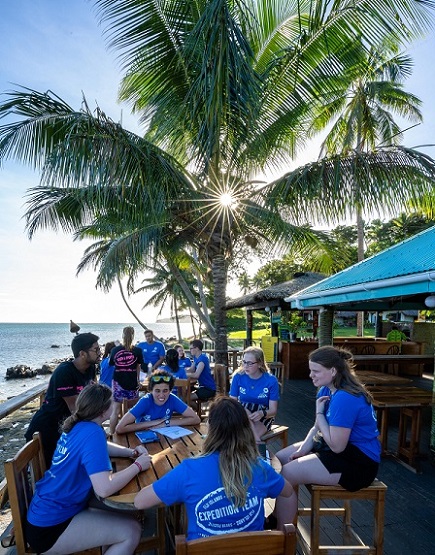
[(21, 371)]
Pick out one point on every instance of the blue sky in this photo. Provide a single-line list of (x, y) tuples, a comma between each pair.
[(58, 45)]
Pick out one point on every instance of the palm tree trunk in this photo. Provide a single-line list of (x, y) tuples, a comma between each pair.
[(360, 243), (128, 306), (192, 321), (177, 321), (219, 274)]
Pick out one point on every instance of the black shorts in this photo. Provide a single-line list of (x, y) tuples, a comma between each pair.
[(42, 538), (357, 469), (204, 393)]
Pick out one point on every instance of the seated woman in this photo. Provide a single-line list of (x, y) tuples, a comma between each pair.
[(342, 447), (173, 366), (59, 519), (224, 488), (155, 409), (257, 390)]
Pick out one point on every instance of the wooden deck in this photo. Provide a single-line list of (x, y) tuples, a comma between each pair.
[(410, 501)]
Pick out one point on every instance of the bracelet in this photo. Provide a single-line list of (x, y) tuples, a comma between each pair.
[(139, 466)]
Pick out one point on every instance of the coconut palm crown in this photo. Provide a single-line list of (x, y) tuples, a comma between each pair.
[(226, 89)]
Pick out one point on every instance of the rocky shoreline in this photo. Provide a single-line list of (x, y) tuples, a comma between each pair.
[(22, 371)]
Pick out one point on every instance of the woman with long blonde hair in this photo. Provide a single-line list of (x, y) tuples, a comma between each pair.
[(223, 489), (257, 390)]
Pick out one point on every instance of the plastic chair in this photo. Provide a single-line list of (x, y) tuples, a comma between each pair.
[(268, 542), (22, 473)]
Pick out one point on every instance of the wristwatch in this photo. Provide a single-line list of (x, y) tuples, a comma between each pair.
[(167, 421)]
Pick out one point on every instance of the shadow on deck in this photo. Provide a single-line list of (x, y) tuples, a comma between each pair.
[(410, 500)]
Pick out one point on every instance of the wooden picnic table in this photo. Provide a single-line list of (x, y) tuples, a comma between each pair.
[(395, 363), (371, 377), (410, 402)]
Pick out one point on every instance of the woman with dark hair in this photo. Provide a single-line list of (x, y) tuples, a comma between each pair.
[(172, 365), (342, 447), (59, 519), (127, 360), (155, 409), (224, 488), (106, 371)]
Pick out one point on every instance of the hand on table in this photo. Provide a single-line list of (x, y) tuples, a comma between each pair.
[(144, 460), (140, 450)]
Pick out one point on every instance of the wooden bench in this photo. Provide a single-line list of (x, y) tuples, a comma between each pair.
[(310, 536)]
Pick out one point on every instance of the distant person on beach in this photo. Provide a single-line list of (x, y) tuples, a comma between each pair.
[(201, 371), (152, 351), (224, 488), (184, 361), (65, 384), (106, 370), (127, 360), (396, 335), (59, 519), (155, 409)]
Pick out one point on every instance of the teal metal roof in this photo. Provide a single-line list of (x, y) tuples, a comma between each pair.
[(399, 277)]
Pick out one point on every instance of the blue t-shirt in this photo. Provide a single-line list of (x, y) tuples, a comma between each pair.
[(352, 411), (197, 483), (151, 351), (106, 372), (205, 379), (184, 362), (259, 391), (64, 489), (146, 409)]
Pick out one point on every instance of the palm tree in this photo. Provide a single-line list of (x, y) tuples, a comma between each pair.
[(227, 89), (167, 289), (366, 119)]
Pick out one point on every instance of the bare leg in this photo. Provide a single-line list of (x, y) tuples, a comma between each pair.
[(306, 470), (284, 454), (114, 417), (118, 534), (259, 430)]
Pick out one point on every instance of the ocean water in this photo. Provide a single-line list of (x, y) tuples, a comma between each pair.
[(36, 344)]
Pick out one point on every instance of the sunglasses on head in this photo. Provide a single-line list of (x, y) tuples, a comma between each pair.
[(160, 379)]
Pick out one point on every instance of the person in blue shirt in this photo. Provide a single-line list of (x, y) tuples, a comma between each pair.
[(257, 390), (106, 370), (200, 370), (59, 519), (225, 487), (156, 408), (173, 366), (184, 361), (342, 447), (153, 351)]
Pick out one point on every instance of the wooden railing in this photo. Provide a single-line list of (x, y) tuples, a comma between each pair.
[(233, 357), (12, 405)]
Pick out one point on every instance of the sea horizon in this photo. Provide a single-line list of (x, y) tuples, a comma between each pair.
[(35, 344)]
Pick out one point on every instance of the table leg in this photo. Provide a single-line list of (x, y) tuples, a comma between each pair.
[(383, 416), (409, 449)]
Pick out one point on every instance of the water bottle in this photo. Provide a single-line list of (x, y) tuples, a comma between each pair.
[(150, 369)]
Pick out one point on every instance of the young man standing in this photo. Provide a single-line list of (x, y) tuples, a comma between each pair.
[(65, 384), (153, 351), (200, 370)]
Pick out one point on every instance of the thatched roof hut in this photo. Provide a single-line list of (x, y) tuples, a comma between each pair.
[(274, 295)]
